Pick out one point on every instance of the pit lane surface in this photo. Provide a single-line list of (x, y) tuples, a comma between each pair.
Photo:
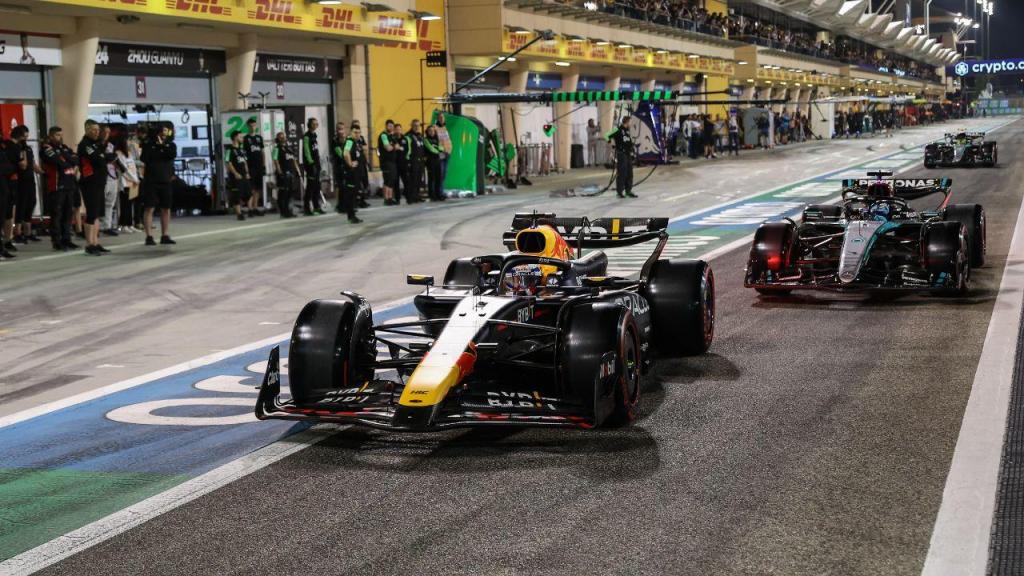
[(815, 439)]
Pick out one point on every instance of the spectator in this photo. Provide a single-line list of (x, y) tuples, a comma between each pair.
[(113, 186), (128, 186), (8, 170), (734, 134), (764, 131), (364, 165), (158, 155), (338, 140), (401, 163), (708, 132), (434, 152), (593, 136), (446, 146), (252, 147), (351, 176)]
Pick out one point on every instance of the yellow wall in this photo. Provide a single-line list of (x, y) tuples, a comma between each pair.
[(717, 6), (395, 75)]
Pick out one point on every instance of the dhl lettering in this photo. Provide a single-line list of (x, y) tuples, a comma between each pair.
[(390, 26), (338, 19), (212, 7), (275, 11)]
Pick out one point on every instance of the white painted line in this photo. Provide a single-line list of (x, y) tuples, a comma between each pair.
[(106, 528), (960, 539), (111, 366), (683, 195), (269, 323), (145, 378)]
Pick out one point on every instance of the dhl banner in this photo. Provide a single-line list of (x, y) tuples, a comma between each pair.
[(590, 52), (339, 19)]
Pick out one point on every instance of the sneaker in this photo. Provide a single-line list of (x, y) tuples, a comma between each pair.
[(364, 204), (59, 248), (110, 232), (165, 239), (34, 238), (19, 239), (71, 245), (150, 241), (92, 251), (318, 212), (6, 254), (631, 195), (307, 213), (355, 220), (99, 248), (241, 217), (259, 212), (137, 229), (10, 246)]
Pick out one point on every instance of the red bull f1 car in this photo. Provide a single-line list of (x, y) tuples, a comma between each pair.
[(538, 335), (873, 241), (961, 149)]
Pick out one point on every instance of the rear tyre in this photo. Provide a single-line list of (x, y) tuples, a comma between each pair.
[(769, 254), (972, 216), (947, 257), (600, 362), (682, 298), (332, 348), (994, 158)]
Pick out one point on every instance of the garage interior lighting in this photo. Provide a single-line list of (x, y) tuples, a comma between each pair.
[(374, 7), (561, 63), (327, 2), (742, 62), (519, 30), (602, 43), (625, 46), (693, 56)]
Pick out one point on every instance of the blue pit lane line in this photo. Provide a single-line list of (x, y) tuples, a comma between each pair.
[(126, 435)]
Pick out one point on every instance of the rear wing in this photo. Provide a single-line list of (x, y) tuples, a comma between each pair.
[(909, 188), (581, 232)]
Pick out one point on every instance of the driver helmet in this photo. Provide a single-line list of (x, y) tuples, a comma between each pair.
[(880, 211), (524, 280), (880, 190)]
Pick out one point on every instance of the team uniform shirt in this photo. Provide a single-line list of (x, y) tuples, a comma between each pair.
[(414, 147), (285, 157), (386, 156), (354, 151), (27, 175), (338, 154), (253, 145), (238, 160), (92, 157), (310, 152), (59, 163), (623, 142)]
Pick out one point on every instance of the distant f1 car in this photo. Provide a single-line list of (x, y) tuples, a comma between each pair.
[(961, 149), (873, 241), (536, 336)]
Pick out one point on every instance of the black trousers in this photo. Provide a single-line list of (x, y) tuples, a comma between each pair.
[(434, 188), (61, 205), (351, 182), (413, 180), (623, 174), (311, 200), (286, 184), (126, 213)]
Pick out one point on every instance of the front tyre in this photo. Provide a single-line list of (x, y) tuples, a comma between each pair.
[(682, 297), (332, 348), (947, 257), (972, 216)]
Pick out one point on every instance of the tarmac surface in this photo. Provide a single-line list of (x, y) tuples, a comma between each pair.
[(814, 438)]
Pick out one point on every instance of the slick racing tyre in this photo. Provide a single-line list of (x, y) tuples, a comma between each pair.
[(993, 157), (770, 254), (947, 257), (682, 298), (972, 216), (600, 362), (332, 348)]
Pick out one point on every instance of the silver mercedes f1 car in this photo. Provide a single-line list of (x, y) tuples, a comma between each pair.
[(873, 241)]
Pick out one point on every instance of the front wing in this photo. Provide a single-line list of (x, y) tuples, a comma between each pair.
[(375, 404)]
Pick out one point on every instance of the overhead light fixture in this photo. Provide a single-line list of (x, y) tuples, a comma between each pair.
[(127, 19), (561, 63), (693, 56), (625, 45), (574, 38), (602, 43), (519, 30), (742, 63), (375, 7), (751, 80), (327, 2), (204, 27), (661, 51), (426, 16), (507, 58)]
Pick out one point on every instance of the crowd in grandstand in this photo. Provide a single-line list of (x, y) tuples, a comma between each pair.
[(690, 15)]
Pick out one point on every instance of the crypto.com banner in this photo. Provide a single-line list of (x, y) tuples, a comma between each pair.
[(976, 67)]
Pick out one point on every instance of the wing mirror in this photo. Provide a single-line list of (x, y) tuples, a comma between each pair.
[(419, 280)]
